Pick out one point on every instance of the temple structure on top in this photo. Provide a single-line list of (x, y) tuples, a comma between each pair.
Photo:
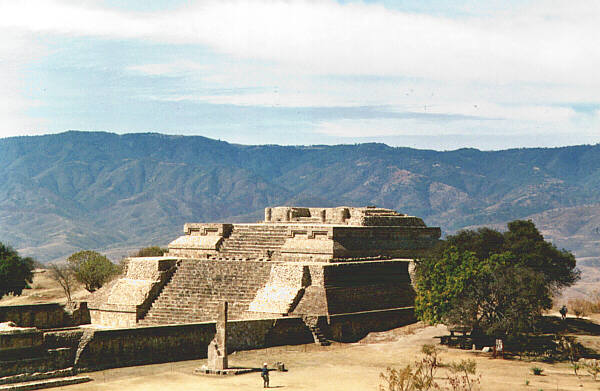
[(309, 262)]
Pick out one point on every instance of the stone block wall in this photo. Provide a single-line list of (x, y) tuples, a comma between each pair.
[(150, 345), (44, 316), (18, 338), (353, 327), (397, 242), (367, 286), (24, 351), (145, 345), (331, 243), (50, 360)]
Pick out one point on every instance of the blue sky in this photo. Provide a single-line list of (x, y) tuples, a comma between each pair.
[(426, 74)]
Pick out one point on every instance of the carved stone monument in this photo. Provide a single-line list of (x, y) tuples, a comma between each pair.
[(217, 349)]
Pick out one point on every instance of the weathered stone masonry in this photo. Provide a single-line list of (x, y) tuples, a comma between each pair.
[(306, 262), (301, 275)]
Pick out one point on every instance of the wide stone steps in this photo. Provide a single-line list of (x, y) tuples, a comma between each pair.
[(237, 240), (253, 241), (197, 289), (248, 246), (256, 241), (255, 229), (259, 252)]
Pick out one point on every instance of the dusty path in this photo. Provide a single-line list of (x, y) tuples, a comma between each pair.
[(338, 367)]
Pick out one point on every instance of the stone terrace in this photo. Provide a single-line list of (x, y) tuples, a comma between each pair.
[(198, 286)]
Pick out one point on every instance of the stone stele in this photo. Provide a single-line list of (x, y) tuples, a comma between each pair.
[(217, 349)]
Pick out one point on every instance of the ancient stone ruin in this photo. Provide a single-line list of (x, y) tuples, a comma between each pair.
[(302, 275), (308, 262)]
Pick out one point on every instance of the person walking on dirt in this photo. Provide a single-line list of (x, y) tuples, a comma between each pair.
[(265, 375)]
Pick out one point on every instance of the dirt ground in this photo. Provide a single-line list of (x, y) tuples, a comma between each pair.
[(338, 367), (44, 290)]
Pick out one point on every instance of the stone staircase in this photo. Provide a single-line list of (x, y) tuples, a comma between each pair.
[(312, 322), (318, 336), (254, 241), (199, 286)]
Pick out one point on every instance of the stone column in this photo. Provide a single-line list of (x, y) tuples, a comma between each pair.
[(268, 214), (217, 349)]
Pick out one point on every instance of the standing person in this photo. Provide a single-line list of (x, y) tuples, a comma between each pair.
[(563, 312), (265, 375)]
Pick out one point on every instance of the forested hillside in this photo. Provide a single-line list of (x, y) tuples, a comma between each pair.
[(82, 190)]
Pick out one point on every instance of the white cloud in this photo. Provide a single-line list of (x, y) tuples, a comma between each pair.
[(430, 124), (15, 51), (549, 42), (176, 68), (514, 67)]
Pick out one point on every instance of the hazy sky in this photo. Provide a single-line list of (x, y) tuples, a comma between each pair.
[(427, 74)]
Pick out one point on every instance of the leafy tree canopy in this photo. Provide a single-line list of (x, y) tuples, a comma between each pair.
[(15, 272), (496, 283), (92, 269)]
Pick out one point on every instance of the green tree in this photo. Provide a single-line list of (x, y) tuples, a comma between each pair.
[(153, 251), (15, 271), (92, 269), (527, 244), (495, 283)]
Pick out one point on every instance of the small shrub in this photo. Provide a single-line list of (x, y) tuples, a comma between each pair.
[(591, 366), (419, 377), (462, 376), (537, 371), (526, 382), (583, 307), (397, 379), (580, 307), (431, 360)]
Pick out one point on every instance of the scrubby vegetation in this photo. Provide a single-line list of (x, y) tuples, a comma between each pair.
[(421, 376), (64, 274)]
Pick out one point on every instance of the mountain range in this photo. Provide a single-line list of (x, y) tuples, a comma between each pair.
[(114, 193)]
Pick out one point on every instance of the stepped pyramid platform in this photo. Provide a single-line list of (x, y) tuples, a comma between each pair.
[(305, 262)]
